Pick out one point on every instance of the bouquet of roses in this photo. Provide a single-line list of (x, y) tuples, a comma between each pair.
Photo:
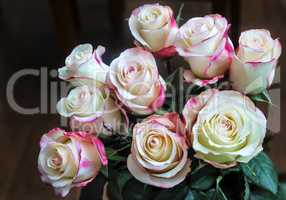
[(124, 125)]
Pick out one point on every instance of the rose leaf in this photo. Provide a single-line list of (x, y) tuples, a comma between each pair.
[(203, 178), (260, 172)]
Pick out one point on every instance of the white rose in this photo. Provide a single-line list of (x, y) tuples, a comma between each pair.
[(82, 103), (253, 68), (205, 45), (224, 127), (154, 27), (159, 154), (69, 159), (93, 111), (113, 121), (135, 79), (84, 67)]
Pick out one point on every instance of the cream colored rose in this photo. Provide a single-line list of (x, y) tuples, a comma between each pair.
[(82, 103), (84, 67), (154, 27), (69, 159), (93, 111), (253, 68), (113, 121), (225, 127), (159, 155), (205, 45), (135, 79)]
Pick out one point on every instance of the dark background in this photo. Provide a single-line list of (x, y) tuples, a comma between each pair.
[(37, 33)]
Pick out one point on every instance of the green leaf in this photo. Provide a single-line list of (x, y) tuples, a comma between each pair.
[(281, 195), (219, 193), (262, 195), (178, 192), (260, 171), (178, 18), (199, 195), (113, 155), (203, 178), (262, 97), (113, 187), (211, 194), (135, 190), (190, 196), (246, 194), (116, 182), (228, 171), (104, 171)]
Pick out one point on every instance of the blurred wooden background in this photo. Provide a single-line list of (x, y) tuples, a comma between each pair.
[(41, 33)]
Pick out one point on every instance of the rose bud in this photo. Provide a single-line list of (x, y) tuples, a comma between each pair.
[(69, 159), (93, 111), (155, 28), (84, 67), (205, 45), (159, 155), (253, 68), (136, 82), (224, 127)]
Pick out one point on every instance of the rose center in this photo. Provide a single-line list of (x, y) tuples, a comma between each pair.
[(154, 142), (82, 95), (132, 72), (131, 69), (151, 15), (55, 161), (199, 27), (79, 55), (257, 42), (226, 124)]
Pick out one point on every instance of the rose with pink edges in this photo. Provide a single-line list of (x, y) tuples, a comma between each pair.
[(94, 111), (135, 79), (253, 67), (70, 159), (155, 28), (84, 66), (205, 45), (159, 155), (224, 127)]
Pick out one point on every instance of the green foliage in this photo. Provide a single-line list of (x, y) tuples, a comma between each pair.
[(246, 194), (203, 178), (116, 183), (264, 195), (260, 172), (113, 154), (178, 192), (205, 183), (262, 97), (135, 190), (219, 192)]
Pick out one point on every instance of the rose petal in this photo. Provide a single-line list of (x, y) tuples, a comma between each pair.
[(140, 174), (190, 78), (215, 164)]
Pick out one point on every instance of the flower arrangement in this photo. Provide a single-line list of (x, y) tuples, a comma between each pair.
[(123, 126)]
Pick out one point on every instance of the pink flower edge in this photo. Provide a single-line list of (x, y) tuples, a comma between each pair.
[(190, 78), (166, 52), (215, 164), (143, 176), (93, 140)]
